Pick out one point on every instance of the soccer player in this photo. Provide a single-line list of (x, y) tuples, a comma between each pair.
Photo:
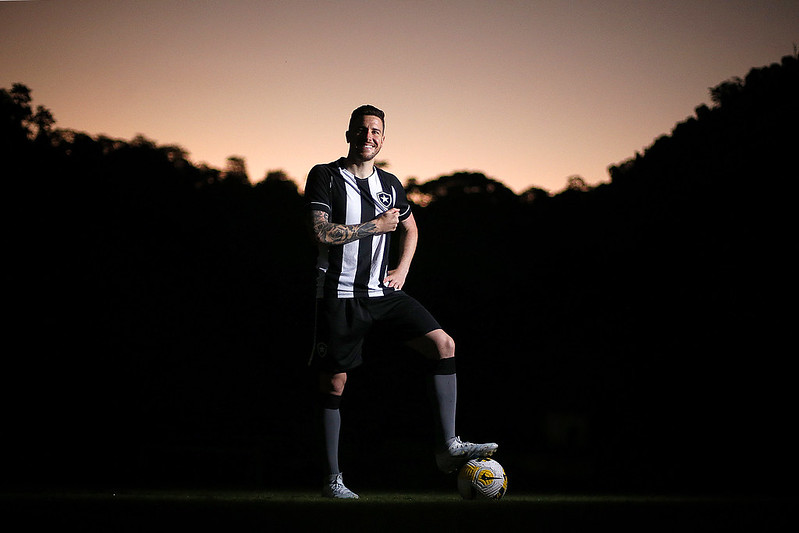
[(355, 207)]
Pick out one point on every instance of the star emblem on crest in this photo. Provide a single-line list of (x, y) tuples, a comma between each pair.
[(384, 198)]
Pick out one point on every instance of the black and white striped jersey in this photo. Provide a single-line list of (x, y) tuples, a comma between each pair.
[(356, 269)]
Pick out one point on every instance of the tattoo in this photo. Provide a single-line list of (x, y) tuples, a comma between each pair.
[(330, 233)]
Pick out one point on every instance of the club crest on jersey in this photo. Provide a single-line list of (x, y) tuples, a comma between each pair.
[(384, 198), (321, 350)]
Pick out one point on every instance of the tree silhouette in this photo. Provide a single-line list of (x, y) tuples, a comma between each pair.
[(235, 170)]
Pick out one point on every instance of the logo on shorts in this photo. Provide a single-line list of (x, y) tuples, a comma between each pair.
[(321, 350), (384, 198)]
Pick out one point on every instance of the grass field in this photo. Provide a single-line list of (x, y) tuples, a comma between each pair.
[(230, 511)]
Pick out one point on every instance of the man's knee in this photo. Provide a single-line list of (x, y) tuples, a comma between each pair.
[(434, 345), (445, 345), (332, 383), (447, 348)]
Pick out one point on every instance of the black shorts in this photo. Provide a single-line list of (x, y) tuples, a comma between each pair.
[(342, 325)]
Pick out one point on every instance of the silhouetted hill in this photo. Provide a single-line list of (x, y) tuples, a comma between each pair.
[(625, 336)]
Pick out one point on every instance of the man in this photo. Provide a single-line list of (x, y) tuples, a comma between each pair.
[(355, 206)]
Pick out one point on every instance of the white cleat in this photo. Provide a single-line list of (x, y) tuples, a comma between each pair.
[(334, 488), (459, 452)]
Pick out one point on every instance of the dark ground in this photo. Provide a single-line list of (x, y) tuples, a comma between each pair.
[(293, 511)]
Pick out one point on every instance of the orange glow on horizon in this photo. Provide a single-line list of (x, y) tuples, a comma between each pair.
[(528, 93)]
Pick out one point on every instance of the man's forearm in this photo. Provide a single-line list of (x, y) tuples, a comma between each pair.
[(407, 248), (408, 242), (327, 232)]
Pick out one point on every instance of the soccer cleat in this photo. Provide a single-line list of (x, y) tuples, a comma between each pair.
[(334, 488), (459, 452)]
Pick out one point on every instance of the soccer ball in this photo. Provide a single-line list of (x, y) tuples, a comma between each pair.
[(482, 478)]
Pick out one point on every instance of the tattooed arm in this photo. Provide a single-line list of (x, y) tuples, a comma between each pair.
[(327, 232)]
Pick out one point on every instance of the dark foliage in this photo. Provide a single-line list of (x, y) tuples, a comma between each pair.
[(624, 337)]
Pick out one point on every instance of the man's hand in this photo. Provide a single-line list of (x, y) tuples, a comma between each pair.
[(388, 221), (395, 278)]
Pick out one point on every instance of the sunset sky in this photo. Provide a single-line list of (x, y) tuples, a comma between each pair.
[(527, 92)]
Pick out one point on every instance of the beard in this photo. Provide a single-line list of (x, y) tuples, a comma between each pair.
[(364, 153)]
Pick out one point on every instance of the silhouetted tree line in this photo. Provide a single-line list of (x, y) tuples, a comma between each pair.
[(628, 335)]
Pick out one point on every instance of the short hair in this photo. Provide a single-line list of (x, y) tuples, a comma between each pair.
[(367, 110)]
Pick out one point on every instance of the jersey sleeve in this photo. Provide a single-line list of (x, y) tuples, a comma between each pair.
[(317, 189), (401, 202)]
